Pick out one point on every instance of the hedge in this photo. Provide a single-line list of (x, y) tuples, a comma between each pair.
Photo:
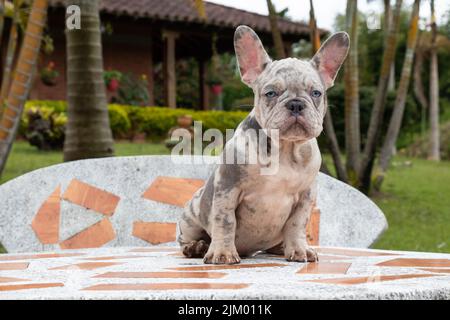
[(127, 121)]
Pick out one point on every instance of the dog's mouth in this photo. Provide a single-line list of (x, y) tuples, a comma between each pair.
[(294, 122)]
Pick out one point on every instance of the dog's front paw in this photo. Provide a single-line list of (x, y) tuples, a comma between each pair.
[(301, 254), (221, 256)]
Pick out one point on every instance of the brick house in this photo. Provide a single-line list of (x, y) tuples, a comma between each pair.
[(147, 32)]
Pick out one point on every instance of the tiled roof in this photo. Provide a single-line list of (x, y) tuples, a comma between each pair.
[(185, 11)]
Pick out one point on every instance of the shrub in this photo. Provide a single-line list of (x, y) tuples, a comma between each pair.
[(127, 121)]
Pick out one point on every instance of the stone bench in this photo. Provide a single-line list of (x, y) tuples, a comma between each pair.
[(136, 201)]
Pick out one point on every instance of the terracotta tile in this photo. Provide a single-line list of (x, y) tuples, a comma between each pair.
[(113, 258), (325, 268), (6, 279), (228, 266), (86, 266), (95, 236), (176, 254), (327, 257), (353, 252), (374, 279), (91, 197), (157, 249), (45, 223), (436, 270), (13, 266), (155, 232), (312, 229), (30, 286), (174, 191), (200, 275), (38, 256), (167, 286), (406, 262)]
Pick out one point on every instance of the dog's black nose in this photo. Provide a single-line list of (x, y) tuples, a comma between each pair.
[(296, 106)]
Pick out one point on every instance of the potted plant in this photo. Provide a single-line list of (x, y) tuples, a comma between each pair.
[(49, 74), (112, 80)]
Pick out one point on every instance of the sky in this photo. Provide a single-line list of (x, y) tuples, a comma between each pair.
[(326, 10)]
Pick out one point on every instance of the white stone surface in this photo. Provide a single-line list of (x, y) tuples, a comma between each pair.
[(281, 282), (348, 218)]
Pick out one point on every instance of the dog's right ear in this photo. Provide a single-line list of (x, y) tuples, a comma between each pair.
[(251, 56)]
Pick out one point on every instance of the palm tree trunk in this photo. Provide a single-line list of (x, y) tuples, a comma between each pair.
[(10, 54), (434, 152), (276, 34), (352, 126), (21, 85), (376, 117), (2, 19), (88, 132), (387, 27), (399, 107)]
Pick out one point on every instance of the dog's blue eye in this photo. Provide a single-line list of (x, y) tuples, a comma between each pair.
[(271, 94), (316, 94)]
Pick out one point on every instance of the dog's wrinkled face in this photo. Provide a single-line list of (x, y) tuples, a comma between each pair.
[(290, 94)]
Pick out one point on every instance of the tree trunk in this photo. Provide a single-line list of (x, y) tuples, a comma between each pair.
[(9, 60), (276, 34), (88, 132), (23, 76), (2, 19), (352, 126), (434, 152), (419, 91), (376, 117), (332, 141), (387, 27), (399, 107), (333, 145)]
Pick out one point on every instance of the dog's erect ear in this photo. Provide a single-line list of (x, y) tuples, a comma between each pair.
[(251, 56), (331, 55)]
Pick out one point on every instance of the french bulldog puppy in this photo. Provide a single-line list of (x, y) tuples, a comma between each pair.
[(239, 211)]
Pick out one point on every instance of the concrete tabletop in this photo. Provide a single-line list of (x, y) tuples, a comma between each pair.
[(162, 273)]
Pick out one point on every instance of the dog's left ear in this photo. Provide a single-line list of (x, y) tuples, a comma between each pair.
[(331, 56)]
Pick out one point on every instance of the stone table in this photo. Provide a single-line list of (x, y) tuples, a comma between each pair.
[(160, 272)]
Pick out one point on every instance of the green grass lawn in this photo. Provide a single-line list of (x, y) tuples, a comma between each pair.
[(415, 197)]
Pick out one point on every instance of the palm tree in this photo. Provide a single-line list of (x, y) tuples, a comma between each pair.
[(88, 132), (10, 54), (434, 151), (373, 133), (399, 107), (352, 126), (23, 76), (276, 34)]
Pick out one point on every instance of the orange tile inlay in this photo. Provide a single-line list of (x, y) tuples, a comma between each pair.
[(112, 258), (406, 262), (38, 256), (91, 197), (312, 229), (353, 252), (6, 279), (373, 279), (436, 270), (95, 236), (86, 266), (174, 191), (228, 266), (325, 268), (327, 257), (46, 222), (155, 232), (30, 286), (157, 249), (202, 275), (13, 266), (167, 286)]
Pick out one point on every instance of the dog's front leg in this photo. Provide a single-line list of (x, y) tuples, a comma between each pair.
[(222, 249), (295, 244)]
